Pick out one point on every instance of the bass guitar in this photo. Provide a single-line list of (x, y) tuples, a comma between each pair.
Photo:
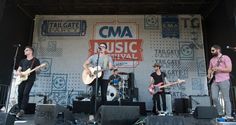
[(21, 78), (88, 78), (153, 89)]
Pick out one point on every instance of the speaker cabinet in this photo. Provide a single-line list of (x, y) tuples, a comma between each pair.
[(142, 106), (45, 114), (81, 106), (205, 112), (51, 114), (199, 101), (30, 108), (131, 81), (181, 105), (117, 115)]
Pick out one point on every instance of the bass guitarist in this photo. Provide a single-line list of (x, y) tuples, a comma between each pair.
[(158, 78), (24, 88), (106, 63), (219, 73)]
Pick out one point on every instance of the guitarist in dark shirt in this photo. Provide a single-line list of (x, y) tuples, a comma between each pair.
[(158, 77), (24, 88)]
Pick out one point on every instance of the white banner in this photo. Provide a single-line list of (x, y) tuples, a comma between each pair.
[(135, 42)]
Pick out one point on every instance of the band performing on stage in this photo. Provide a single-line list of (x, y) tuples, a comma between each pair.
[(119, 70), (111, 86)]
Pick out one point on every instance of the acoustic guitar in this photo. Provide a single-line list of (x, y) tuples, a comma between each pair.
[(88, 78)]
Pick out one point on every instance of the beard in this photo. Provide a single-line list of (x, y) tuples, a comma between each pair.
[(215, 54)]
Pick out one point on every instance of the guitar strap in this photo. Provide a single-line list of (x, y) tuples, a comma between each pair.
[(163, 77), (105, 62), (218, 61), (32, 64), (218, 64)]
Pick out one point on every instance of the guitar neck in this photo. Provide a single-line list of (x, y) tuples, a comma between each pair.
[(35, 69), (169, 84)]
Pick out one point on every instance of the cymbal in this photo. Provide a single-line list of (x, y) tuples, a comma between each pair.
[(123, 73)]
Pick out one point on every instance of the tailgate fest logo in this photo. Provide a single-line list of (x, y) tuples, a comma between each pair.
[(123, 43), (63, 28)]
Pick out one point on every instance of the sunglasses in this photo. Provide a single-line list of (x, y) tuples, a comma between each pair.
[(102, 46), (213, 50)]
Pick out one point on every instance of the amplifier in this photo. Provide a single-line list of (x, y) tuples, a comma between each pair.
[(199, 100)]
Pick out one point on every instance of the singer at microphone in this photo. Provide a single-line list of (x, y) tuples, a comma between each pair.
[(104, 60)]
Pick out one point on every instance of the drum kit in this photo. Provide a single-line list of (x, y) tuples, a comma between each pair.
[(117, 88)]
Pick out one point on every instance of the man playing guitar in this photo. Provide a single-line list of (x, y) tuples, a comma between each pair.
[(24, 88), (158, 78), (219, 68), (104, 61)]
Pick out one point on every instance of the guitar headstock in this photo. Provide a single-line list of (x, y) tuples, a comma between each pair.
[(43, 65), (180, 81)]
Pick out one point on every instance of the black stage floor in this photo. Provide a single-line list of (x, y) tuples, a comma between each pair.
[(149, 119), (125, 114)]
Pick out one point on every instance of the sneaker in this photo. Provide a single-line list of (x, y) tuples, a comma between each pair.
[(161, 114), (228, 117), (91, 117), (20, 114), (18, 118)]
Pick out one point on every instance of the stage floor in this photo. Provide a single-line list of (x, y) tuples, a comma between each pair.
[(82, 119)]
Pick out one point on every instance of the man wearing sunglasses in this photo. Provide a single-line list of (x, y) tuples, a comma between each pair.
[(105, 62), (219, 71)]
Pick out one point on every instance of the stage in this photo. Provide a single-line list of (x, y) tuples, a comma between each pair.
[(82, 119), (113, 113)]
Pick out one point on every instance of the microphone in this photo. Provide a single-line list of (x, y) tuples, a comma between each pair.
[(99, 48), (17, 45), (229, 47)]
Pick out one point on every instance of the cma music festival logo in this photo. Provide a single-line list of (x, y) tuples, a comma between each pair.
[(120, 32), (122, 42)]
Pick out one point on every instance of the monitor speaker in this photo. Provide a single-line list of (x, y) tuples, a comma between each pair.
[(205, 112), (199, 101), (117, 115)]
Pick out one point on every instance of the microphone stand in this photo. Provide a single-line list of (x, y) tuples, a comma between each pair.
[(231, 94), (68, 100), (96, 84), (9, 89)]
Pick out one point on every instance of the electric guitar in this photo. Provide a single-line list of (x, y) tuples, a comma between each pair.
[(88, 78), (21, 78), (212, 72), (153, 89), (211, 78)]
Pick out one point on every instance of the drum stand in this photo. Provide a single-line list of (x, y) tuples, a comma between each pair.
[(122, 90)]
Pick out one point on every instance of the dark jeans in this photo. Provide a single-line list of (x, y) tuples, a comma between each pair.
[(103, 84), (23, 94), (157, 102)]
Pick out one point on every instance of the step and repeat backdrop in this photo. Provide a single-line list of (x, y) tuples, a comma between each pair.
[(135, 43)]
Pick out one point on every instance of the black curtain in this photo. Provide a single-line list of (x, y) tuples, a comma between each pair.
[(2, 6)]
